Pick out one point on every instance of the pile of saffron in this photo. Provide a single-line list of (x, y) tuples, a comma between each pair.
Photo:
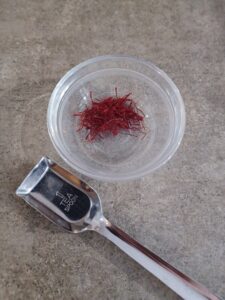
[(111, 115)]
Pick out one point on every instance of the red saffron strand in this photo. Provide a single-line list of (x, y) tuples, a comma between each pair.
[(111, 115)]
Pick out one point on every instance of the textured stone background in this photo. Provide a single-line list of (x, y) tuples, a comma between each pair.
[(179, 211)]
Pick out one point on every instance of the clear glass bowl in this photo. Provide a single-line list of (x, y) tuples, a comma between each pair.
[(122, 157)]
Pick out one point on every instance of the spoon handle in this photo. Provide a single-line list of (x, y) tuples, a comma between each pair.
[(180, 283)]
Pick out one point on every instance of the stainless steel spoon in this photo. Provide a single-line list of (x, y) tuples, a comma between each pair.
[(73, 205)]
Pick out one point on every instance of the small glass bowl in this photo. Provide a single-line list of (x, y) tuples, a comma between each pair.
[(125, 156)]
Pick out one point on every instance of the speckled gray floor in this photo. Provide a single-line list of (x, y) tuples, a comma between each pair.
[(179, 211)]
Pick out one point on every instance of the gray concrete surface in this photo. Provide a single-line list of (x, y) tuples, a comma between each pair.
[(179, 211)]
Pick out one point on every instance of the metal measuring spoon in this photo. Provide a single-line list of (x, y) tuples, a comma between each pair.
[(73, 205)]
